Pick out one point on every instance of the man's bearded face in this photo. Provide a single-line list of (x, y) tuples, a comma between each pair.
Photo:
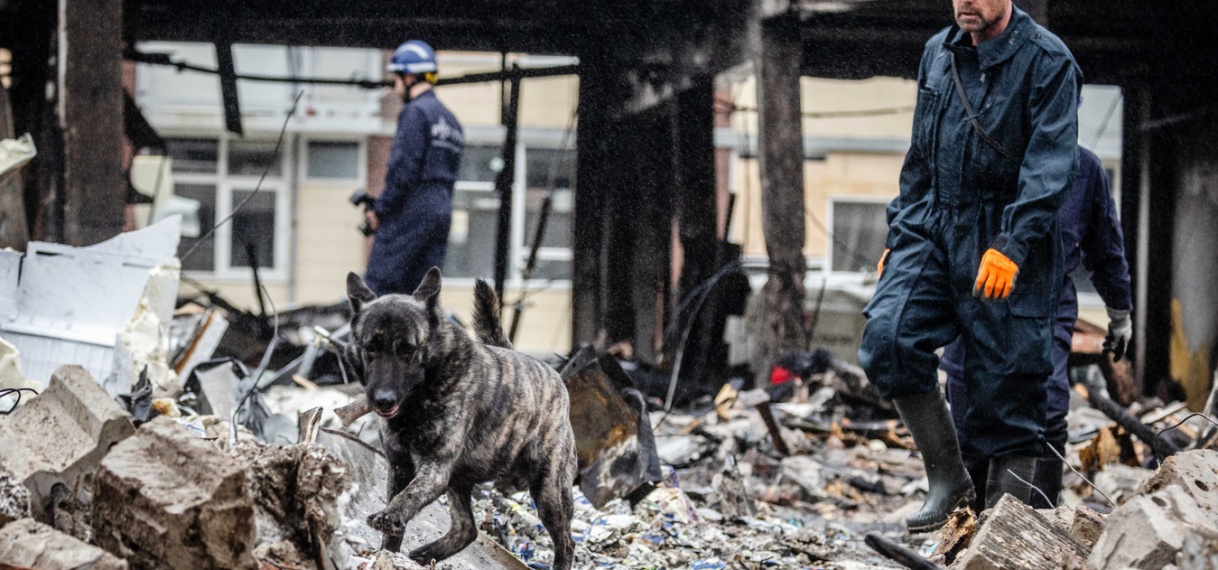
[(976, 16)]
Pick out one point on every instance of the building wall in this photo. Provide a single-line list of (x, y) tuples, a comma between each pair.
[(856, 133), (1194, 268)]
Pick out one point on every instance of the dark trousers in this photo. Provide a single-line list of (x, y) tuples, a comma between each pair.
[(1058, 387), (924, 300)]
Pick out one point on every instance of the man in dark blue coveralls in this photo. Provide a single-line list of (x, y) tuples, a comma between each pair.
[(413, 213), (1091, 237), (993, 152)]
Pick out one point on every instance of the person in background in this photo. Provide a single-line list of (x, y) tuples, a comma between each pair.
[(413, 213), (1091, 237)]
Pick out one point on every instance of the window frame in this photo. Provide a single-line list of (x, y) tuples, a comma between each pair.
[(830, 212), (517, 251), (226, 185), (302, 165)]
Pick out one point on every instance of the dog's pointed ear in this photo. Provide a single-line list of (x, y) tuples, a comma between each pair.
[(358, 292), (429, 289)]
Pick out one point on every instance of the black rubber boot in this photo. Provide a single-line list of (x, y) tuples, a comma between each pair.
[(979, 472), (1049, 481), (929, 423), (1014, 475)]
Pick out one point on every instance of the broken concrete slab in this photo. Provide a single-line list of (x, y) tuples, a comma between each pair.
[(30, 544), (1200, 551), (60, 436), (1087, 526), (1195, 472), (1148, 531), (370, 471), (299, 492), (14, 499), (1013, 535), (165, 498)]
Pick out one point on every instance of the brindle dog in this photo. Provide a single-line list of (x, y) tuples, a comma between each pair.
[(458, 412)]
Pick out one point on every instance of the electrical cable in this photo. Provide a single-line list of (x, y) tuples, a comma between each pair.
[(262, 365), (270, 347), (744, 141), (848, 114), (1034, 487), (278, 143), (1107, 117), (16, 394), (1081, 476), (1154, 445)]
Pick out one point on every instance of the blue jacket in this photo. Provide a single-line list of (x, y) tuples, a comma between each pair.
[(1091, 234), (426, 152), (415, 207), (1024, 87)]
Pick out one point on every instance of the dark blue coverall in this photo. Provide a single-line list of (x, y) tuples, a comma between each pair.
[(1091, 237), (414, 210), (960, 196)]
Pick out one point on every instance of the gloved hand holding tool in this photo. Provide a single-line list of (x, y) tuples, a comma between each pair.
[(1120, 330), (995, 276)]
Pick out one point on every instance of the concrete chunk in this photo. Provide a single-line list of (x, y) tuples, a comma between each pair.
[(167, 499), (61, 435), (1195, 472), (1087, 526), (14, 499), (1148, 531), (30, 544), (1013, 535)]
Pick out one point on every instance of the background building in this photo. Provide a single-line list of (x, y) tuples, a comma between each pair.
[(855, 134)]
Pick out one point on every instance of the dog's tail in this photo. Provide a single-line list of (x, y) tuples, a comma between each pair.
[(487, 327)]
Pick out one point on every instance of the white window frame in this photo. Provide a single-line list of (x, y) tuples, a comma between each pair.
[(517, 252), (832, 200), (519, 229), (226, 185), (302, 165)]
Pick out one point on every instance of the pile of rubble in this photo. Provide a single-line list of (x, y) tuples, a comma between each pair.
[(151, 453)]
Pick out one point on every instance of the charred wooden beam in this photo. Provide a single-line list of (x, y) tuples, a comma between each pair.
[(782, 191), (91, 112)]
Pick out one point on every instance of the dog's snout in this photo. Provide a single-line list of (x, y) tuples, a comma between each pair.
[(384, 399)]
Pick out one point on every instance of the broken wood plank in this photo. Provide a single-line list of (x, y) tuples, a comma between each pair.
[(1013, 535)]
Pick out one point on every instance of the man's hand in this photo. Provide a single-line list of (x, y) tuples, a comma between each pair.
[(1120, 330), (370, 215), (995, 276), (879, 267)]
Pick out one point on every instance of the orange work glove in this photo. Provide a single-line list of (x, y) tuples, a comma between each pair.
[(879, 267), (995, 277)]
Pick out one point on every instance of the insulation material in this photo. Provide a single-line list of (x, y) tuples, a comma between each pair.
[(70, 304)]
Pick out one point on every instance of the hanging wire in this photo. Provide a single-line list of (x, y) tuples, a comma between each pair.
[(262, 365), (270, 347), (745, 144), (16, 394), (1034, 487), (278, 143), (1154, 445), (1081, 476)]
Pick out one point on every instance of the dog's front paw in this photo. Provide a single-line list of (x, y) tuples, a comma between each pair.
[(423, 555), (388, 521)]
